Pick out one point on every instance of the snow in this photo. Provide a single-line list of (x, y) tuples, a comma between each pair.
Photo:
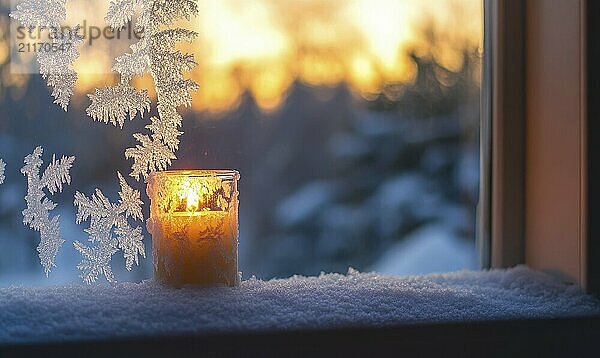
[(71, 312), (433, 248)]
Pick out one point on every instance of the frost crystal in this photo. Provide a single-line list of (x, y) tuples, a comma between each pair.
[(114, 104), (155, 54), (110, 230), (39, 13), (2, 167), (56, 61), (36, 215), (56, 65)]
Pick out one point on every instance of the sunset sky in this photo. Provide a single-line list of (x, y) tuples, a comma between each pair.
[(264, 45)]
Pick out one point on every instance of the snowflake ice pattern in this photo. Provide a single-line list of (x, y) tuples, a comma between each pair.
[(156, 55), (37, 212), (114, 104), (2, 167), (110, 230), (40, 13), (56, 63)]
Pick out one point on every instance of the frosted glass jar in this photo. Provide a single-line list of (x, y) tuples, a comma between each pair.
[(194, 227)]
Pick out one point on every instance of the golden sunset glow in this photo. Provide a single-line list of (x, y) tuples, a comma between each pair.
[(262, 46)]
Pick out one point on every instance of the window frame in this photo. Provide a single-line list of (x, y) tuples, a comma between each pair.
[(592, 29), (535, 107), (502, 178), (502, 338)]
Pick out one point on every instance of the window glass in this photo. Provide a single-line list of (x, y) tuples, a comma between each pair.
[(354, 125)]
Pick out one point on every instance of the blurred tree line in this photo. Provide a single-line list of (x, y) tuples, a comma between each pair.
[(330, 179)]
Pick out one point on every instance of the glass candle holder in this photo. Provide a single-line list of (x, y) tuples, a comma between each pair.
[(194, 227)]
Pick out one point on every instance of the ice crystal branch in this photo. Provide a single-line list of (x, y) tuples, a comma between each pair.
[(39, 13), (114, 104), (120, 12), (37, 212), (2, 167), (56, 61), (154, 54), (110, 230)]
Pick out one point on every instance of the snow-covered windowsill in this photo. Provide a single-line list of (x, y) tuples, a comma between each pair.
[(80, 312)]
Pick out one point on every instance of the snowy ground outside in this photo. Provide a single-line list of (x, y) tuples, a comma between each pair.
[(431, 249), (76, 312)]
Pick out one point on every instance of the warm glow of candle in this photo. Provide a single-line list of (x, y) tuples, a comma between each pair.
[(190, 192), (194, 226)]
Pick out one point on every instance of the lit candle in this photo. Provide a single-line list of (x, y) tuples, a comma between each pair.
[(194, 227)]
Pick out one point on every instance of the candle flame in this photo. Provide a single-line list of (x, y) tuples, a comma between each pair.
[(192, 200), (190, 192)]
